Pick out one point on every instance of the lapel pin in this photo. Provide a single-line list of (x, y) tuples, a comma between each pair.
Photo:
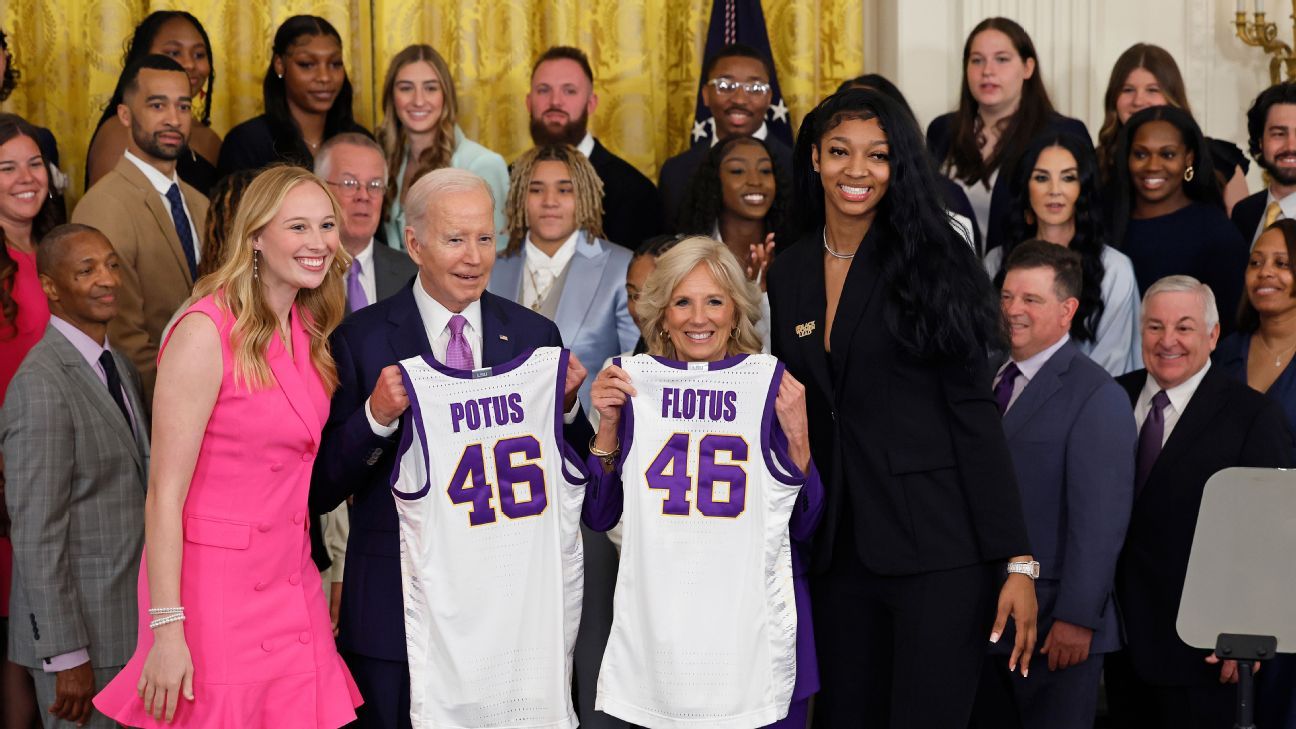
[(805, 330), (504, 337)]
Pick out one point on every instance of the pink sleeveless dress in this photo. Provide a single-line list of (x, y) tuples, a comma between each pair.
[(257, 622)]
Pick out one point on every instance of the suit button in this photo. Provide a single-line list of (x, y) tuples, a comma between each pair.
[(304, 637), (294, 580), (263, 526), (299, 517), (265, 646), (306, 457), (259, 586), (276, 467)]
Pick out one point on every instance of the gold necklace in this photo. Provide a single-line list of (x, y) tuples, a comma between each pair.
[(1277, 356), (540, 296)]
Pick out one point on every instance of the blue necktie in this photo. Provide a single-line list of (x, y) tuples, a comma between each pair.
[(182, 229)]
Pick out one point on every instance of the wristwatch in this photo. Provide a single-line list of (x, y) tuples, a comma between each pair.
[(1030, 569)]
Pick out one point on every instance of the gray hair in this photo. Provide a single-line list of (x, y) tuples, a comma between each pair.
[(429, 187), (355, 139), (1187, 285)]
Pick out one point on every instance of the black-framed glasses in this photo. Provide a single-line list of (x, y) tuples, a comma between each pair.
[(350, 186), (726, 86)]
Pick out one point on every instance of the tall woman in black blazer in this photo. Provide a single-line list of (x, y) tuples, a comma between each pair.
[(884, 312)]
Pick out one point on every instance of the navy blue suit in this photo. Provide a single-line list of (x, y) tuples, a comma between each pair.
[(1072, 437), (354, 462)]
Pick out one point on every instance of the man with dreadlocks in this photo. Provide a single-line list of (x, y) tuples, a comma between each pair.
[(557, 263)]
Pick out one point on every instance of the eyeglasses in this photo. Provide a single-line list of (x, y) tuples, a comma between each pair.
[(350, 186), (726, 86)]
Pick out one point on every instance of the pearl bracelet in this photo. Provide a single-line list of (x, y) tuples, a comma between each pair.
[(166, 611), (159, 622)]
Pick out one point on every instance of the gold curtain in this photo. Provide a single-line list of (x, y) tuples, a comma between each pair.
[(646, 56)]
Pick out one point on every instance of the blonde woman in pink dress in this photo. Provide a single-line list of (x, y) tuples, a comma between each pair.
[(234, 629)]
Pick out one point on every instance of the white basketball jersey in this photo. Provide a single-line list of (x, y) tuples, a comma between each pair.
[(489, 502), (704, 620)]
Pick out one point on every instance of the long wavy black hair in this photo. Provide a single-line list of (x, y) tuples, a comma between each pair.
[(940, 303), (704, 198), (1201, 188), (1090, 233), (48, 217), (138, 47), (287, 136)]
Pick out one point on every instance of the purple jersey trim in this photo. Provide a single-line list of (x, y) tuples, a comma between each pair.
[(499, 369), (414, 413), (774, 444), (719, 364), (564, 356)]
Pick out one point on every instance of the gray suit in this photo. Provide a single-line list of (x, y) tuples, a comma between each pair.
[(1072, 436), (76, 479), (392, 270)]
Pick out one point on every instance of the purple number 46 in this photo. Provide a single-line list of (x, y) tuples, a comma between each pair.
[(669, 472), (468, 484)]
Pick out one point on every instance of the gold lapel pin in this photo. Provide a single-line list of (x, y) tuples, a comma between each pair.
[(805, 330), (504, 337)]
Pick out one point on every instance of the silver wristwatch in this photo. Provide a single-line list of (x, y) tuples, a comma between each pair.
[(1030, 569)]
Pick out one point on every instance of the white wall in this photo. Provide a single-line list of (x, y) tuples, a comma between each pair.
[(918, 44)]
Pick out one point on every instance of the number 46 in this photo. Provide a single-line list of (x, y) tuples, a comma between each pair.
[(468, 485), (669, 472)]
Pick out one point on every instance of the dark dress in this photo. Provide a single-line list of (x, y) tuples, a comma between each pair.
[(1198, 241), (252, 145)]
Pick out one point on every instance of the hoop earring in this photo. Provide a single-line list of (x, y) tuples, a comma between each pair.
[(1188, 174), (256, 273)]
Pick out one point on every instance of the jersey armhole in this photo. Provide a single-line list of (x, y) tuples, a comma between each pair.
[(411, 429), (774, 444)]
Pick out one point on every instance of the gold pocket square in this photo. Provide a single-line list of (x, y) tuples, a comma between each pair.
[(805, 330)]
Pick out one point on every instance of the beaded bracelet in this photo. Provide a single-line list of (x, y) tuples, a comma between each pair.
[(166, 611), (159, 622)]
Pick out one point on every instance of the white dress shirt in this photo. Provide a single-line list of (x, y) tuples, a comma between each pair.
[(367, 282), (1179, 396), (586, 146), (162, 183), (541, 269), (1029, 367), (1287, 205)]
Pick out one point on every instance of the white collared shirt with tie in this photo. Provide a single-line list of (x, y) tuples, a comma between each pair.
[(1179, 396), (161, 183), (1028, 368)]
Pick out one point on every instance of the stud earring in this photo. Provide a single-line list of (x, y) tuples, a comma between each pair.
[(1188, 174), (281, 77)]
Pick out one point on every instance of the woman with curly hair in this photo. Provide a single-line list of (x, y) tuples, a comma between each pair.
[(178, 35), (420, 133)]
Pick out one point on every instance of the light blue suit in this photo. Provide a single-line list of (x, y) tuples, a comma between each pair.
[(592, 313)]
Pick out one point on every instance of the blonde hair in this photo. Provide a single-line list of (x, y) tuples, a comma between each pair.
[(588, 187), (677, 263), (239, 293), (391, 133)]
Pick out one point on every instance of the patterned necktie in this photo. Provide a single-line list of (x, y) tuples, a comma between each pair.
[(1004, 390), (114, 383), (1150, 437), (182, 229), (356, 298), (458, 353), (1272, 212)]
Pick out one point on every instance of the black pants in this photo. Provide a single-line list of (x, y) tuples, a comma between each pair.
[(1136, 704), (384, 685), (900, 652)]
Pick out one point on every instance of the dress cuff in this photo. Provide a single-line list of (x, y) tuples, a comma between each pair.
[(382, 431), (66, 661)]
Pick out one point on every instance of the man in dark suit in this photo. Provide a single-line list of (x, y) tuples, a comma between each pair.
[(560, 102), (451, 237), (737, 92), (75, 436), (1072, 438), (1194, 421), (354, 166), (1271, 129)]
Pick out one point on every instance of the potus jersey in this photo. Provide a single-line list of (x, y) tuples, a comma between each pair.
[(489, 499), (704, 619)]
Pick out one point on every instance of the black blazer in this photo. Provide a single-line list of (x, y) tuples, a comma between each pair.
[(1248, 213), (1225, 424), (677, 171), (355, 462), (632, 209), (940, 135), (915, 449)]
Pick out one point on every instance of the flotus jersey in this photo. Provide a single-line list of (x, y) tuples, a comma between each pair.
[(704, 619), (489, 502)]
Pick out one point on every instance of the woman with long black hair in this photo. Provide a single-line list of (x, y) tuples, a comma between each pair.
[(883, 311), (307, 100)]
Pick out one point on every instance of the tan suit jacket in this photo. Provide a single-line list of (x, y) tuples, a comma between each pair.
[(155, 278)]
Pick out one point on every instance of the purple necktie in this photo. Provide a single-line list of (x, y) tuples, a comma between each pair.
[(458, 353), (1004, 390), (356, 298), (1150, 437)]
